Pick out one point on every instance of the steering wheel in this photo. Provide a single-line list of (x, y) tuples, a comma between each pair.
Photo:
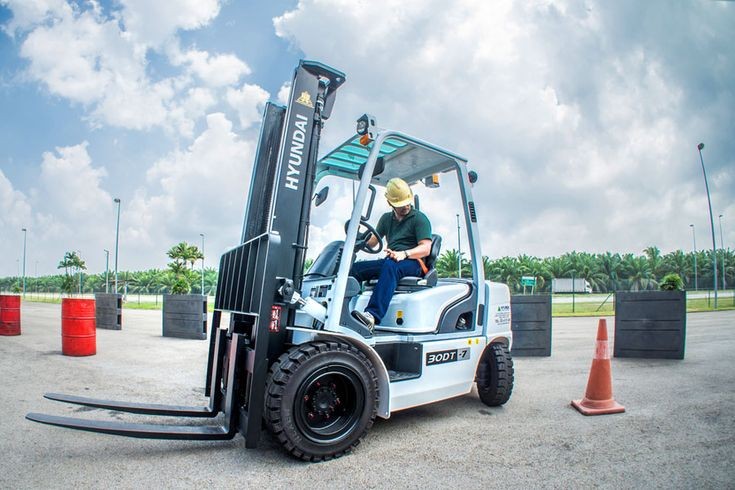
[(361, 244)]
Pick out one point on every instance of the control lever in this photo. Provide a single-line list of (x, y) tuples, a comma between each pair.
[(308, 305)]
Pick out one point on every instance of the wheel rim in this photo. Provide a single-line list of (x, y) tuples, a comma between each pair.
[(329, 404)]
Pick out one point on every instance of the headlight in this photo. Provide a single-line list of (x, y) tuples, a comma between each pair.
[(364, 123)]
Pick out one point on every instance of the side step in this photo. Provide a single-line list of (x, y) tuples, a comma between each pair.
[(144, 431), (142, 408)]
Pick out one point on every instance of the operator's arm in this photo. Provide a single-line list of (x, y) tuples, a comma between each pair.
[(423, 237), (372, 241), (423, 249)]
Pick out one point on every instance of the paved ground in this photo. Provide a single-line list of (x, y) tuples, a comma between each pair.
[(678, 431)]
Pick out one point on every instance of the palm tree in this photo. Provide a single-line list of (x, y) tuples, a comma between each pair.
[(73, 263), (506, 270), (94, 282), (446, 264), (147, 281), (678, 262), (166, 282), (655, 261), (193, 254), (210, 280), (183, 254), (179, 253), (611, 265), (638, 272)]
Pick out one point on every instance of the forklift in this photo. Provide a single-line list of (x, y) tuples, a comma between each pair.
[(291, 357)]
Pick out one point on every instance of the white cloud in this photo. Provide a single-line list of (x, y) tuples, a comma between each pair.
[(569, 113), (154, 23), (27, 13), (248, 101), (68, 210), (99, 62), (15, 210), (284, 92), (15, 214), (67, 56), (200, 190), (581, 118), (73, 211), (88, 60), (215, 70)]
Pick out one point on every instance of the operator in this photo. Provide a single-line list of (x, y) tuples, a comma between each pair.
[(408, 233)]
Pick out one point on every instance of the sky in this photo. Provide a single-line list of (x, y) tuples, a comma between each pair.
[(582, 118)]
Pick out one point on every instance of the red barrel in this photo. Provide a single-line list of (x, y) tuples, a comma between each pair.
[(78, 329), (9, 314)]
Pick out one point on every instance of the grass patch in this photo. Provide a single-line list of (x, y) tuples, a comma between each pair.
[(704, 304), (583, 309)]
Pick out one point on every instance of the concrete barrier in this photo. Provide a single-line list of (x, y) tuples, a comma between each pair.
[(109, 311), (531, 325), (185, 316), (650, 324)]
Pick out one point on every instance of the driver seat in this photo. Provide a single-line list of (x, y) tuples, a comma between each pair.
[(429, 280)]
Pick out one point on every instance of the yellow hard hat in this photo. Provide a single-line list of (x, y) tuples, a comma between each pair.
[(398, 193)]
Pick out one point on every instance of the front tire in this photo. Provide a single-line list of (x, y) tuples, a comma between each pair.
[(321, 399), (495, 375)]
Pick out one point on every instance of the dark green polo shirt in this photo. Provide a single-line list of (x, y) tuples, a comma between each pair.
[(404, 234)]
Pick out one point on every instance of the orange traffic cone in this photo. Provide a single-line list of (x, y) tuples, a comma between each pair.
[(598, 399)]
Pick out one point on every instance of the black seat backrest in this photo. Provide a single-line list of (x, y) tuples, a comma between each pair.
[(436, 246)]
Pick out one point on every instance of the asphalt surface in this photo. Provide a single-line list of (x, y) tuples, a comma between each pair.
[(678, 430)]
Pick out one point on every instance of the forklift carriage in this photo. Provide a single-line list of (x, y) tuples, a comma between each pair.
[(292, 357)]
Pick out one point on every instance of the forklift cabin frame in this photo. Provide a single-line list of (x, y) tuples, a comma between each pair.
[(412, 160)]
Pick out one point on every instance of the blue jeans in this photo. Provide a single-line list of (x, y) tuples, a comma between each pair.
[(388, 272)]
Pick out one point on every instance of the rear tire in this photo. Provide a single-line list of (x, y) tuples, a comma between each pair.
[(321, 399), (495, 375)]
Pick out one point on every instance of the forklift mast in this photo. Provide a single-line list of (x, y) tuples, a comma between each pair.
[(275, 230), (274, 236)]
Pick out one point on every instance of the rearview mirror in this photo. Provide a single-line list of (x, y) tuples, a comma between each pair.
[(321, 196)]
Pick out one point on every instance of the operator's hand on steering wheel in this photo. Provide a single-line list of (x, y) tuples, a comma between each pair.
[(363, 238)]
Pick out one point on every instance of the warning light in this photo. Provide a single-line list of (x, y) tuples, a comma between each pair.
[(432, 181)]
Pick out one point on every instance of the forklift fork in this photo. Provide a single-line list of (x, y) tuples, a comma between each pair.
[(218, 402)]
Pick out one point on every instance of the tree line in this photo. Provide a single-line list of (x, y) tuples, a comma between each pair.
[(606, 272)]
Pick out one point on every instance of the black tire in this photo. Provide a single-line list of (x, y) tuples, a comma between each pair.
[(321, 399), (495, 375)]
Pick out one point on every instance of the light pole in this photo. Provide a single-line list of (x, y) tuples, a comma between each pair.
[(694, 242), (574, 288), (700, 147), (25, 233), (459, 252), (202, 235), (722, 246), (117, 238), (107, 270)]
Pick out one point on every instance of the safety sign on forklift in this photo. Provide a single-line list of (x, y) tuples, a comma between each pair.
[(502, 315)]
